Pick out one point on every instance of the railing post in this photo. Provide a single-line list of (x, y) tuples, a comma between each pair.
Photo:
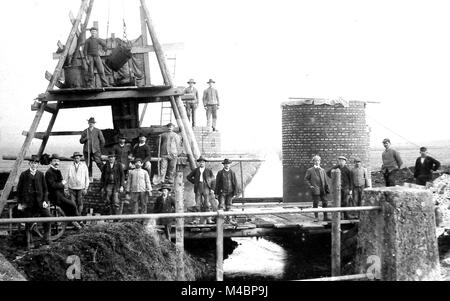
[(179, 231), (219, 246), (336, 224)]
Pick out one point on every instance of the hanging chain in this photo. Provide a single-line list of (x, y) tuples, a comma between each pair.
[(125, 31)]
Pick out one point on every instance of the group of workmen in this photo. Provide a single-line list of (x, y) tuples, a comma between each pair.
[(355, 180), (127, 170)]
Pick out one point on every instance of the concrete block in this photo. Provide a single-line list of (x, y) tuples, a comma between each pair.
[(402, 236)]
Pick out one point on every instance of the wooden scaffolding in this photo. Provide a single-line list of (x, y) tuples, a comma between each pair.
[(54, 100)]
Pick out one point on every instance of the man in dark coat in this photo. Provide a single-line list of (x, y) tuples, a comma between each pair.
[(142, 150), (425, 165), (226, 187), (122, 150), (165, 204), (203, 180), (346, 182), (93, 141), (32, 196), (112, 182), (56, 185), (316, 180)]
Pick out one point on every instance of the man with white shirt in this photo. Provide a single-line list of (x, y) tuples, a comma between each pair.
[(425, 165), (315, 178), (139, 186), (203, 180), (78, 180), (211, 103)]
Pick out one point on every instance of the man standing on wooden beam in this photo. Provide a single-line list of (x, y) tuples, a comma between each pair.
[(91, 48), (93, 140), (211, 104)]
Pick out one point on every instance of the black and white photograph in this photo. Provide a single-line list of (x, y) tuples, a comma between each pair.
[(224, 146)]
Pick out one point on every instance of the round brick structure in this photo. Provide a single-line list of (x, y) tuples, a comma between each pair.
[(320, 127)]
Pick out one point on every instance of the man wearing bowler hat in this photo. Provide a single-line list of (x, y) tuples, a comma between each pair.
[(91, 48), (32, 197), (93, 141), (346, 182), (112, 183), (211, 104), (56, 186), (170, 149), (165, 204), (203, 180), (143, 151), (226, 187), (122, 150), (191, 102), (78, 180)]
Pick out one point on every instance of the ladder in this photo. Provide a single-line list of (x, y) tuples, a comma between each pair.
[(53, 109), (166, 109)]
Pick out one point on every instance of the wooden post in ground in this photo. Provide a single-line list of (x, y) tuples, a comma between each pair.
[(219, 246), (336, 224), (242, 179), (179, 231)]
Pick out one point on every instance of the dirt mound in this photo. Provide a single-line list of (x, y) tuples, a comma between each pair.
[(110, 252)]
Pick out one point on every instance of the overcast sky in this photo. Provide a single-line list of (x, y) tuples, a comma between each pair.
[(260, 53)]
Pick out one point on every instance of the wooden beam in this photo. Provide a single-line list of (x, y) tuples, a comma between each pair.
[(49, 77), (179, 230), (219, 246), (117, 95), (336, 224), (146, 61), (141, 49), (60, 46)]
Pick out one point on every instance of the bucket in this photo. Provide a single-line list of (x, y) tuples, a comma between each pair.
[(119, 57), (74, 77)]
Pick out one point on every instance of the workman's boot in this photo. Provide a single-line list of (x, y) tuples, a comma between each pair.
[(325, 217)]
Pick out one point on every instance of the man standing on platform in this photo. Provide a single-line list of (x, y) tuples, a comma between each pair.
[(142, 151), (32, 197), (91, 48), (346, 182), (123, 153), (192, 102), (93, 141), (170, 143), (425, 165), (165, 204), (211, 104), (56, 185), (139, 186), (226, 187), (316, 180), (360, 180), (392, 162), (78, 181), (203, 180), (112, 183)]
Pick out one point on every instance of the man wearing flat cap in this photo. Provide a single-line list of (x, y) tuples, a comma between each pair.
[(91, 48), (191, 101), (226, 187), (360, 180), (93, 141), (203, 180), (32, 196), (139, 186), (112, 183), (211, 103), (346, 182), (425, 165), (170, 149), (78, 180), (392, 162)]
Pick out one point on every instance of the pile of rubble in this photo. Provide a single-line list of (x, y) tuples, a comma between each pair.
[(441, 196)]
